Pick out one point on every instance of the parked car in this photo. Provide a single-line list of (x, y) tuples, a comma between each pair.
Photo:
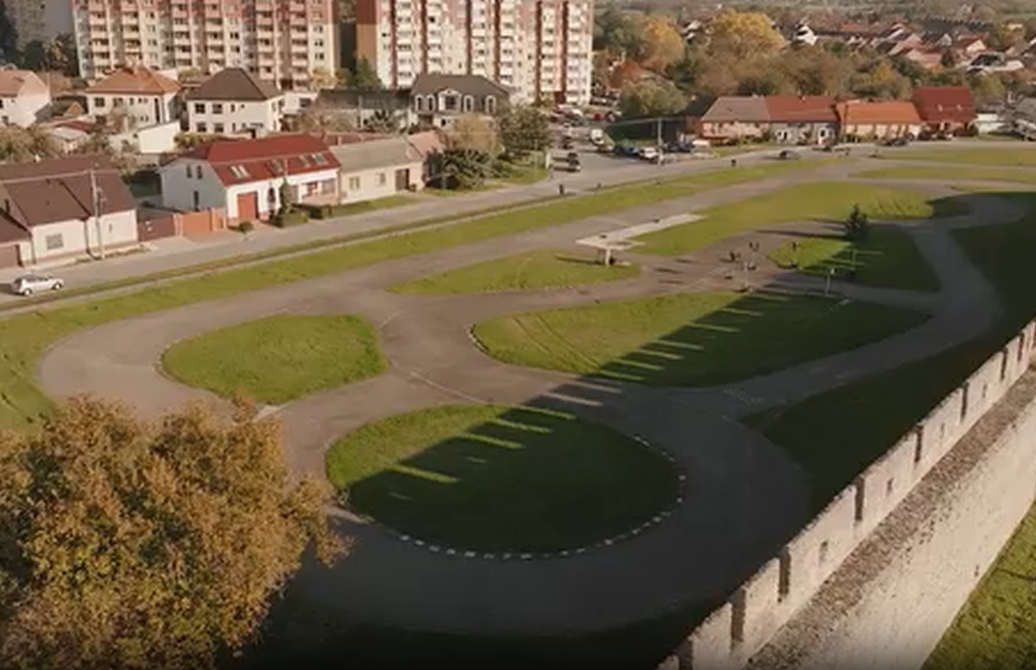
[(789, 155), (626, 150), (649, 153), (26, 285), (897, 142)]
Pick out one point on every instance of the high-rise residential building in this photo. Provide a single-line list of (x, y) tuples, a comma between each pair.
[(286, 41), (34, 20), (540, 48)]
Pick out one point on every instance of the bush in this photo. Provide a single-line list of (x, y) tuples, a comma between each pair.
[(292, 217), (246, 226)]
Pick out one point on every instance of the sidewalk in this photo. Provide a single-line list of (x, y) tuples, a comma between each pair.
[(177, 252)]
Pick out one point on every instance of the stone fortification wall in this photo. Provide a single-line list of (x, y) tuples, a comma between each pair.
[(882, 571)]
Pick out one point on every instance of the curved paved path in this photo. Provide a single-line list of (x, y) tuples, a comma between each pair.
[(743, 496)]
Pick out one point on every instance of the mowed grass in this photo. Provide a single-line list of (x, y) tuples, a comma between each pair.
[(278, 358), (501, 479), (689, 339), (826, 201), (1020, 156), (887, 258), (541, 268), (24, 337), (953, 173)]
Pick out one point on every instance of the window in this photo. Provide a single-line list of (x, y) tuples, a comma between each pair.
[(239, 171), (217, 128), (197, 200), (199, 108), (319, 159), (55, 241), (217, 108), (382, 179), (429, 103), (450, 103), (354, 183), (99, 102), (201, 127), (490, 104), (469, 104)]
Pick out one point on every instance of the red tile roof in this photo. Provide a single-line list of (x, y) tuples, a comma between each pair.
[(945, 103), (895, 112), (801, 108), (135, 80), (246, 161)]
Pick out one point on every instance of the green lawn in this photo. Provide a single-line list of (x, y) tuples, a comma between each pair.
[(500, 479), (279, 358), (24, 337), (886, 258), (953, 173), (388, 202), (541, 268), (828, 201), (1020, 156), (689, 339)]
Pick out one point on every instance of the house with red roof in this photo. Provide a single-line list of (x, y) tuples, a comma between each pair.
[(945, 108), (878, 119), (246, 177), (802, 119)]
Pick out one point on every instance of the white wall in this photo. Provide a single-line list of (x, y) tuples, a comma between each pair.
[(371, 188), (78, 237), (23, 110), (151, 139), (141, 109), (178, 189), (235, 118), (262, 189)]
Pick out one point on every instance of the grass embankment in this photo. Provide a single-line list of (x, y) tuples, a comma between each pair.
[(24, 337), (1020, 156), (836, 435), (952, 173), (500, 479), (542, 268), (279, 358), (824, 201), (689, 339)]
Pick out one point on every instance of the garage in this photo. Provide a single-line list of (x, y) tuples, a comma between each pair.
[(156, 228), (9, 256), (247, 206)]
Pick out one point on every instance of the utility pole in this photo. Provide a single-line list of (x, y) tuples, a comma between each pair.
[(658, 139), (97, 198)]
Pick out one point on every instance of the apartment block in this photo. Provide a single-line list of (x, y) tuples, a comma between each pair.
[(283, 41), (539, 48), (40, 20)]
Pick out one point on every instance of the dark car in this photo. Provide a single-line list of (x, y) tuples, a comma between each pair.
[(625, 150), (898, 142), (789, 155)]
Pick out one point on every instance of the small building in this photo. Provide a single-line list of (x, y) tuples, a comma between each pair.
[(235, 102), (245, 177), (734, 117), (802, 119), (945, 108), (64, 209), (881, 119), (379, 168), (135, 97), (366, 108), (438, 99), (24, 97)]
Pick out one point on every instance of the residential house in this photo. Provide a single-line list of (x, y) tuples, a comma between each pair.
[(866, 120), (233, 102), (438, 99), (24, 97), (428, 144), (366, 108), (64, 209), (1023, 118), (134, 97), (804, 35), (992, 61), (734, 117), (945, 108), (802, 119), (245, 177), (378, 169)]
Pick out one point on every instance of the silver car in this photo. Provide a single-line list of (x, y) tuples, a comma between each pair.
[(36, 283)]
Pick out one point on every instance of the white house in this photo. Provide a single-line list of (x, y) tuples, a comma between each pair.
[(135, 97), (24, 97), (379, 168), (235, 102), (64, 209), (245, 177)]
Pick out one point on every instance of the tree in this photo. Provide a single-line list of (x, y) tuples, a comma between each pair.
[(18, 145), (462, 168), (651, 98), (474, 132), (8, 36), (1000, 37), (523, 130), (363, 76), (988, 91), (133, 545), (321, 77), (663, 43), (856, 225), (620, 31), (284, 194), (879, 80), (742, 36)]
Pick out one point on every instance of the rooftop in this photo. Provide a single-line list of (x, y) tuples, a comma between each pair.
[(137, 79), (235, 84)]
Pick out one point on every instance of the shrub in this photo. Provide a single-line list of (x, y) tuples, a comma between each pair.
[(246, 226), (292, 217)]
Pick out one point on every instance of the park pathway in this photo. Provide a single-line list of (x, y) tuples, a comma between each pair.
[(743, 498)]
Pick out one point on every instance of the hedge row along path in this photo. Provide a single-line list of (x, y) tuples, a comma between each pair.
[(744, 496)]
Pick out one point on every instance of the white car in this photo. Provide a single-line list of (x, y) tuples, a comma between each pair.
[(26, 285)]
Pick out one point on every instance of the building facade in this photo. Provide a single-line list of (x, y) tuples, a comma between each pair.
[(541, 48), (24, 97), (235, 102), (285, 41)]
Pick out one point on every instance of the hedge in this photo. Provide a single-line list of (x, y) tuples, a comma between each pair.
[(290, 218)]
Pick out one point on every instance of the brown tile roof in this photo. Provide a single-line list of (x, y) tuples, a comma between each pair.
[(135, 80), (944, 103), (16, 82), (427, 142), (727, 109), (11, 232), (247, 161), (235, 84), (801, 108), (59, 189), (468, 84), (898, 112)]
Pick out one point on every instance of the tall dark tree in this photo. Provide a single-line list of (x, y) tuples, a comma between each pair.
[(523, 130)]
